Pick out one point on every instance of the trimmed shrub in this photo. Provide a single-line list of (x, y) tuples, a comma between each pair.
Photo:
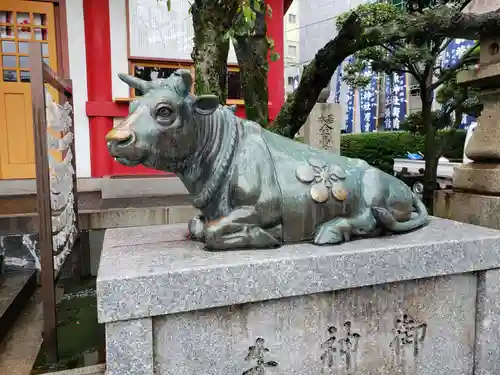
[(380, 149)]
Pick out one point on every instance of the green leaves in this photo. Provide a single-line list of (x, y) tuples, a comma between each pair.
[(371, 14), (353, 77), (380, 149), (229, 34), (274, 56), (383, 58), (168, 3), (414, 122), (257, 6), (248, 13), (270, 42), (245, 22), (463, 98)]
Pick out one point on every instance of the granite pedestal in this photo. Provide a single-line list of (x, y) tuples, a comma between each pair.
[(421, 303)]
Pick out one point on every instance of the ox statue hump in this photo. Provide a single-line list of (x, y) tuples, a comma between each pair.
[(254, 188)]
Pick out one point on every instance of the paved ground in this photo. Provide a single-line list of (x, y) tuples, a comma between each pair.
[(91, 370), (20, 348)]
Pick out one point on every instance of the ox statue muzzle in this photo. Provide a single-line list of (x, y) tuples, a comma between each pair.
[(121, 142)]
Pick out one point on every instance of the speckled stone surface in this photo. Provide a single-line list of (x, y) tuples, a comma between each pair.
[(90, 370), (129, 347), (152, 271), (348, 332), (487, 358)]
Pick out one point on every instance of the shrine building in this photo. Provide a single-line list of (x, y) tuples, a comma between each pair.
[(91, 41)]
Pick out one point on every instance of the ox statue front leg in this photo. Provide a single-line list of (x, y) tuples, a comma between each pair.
[(240, 229), (196, 228)]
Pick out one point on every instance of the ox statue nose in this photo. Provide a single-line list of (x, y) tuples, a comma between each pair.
[(120, 136)]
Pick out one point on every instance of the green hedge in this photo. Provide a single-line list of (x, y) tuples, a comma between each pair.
[(380, 149)]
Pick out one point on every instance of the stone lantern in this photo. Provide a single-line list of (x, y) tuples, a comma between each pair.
[(476, 186)]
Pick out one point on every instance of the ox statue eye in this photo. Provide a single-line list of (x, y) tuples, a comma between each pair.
[(163, 111)]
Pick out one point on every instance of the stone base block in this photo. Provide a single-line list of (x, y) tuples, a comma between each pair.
[(483, 210), (478, 177), (400, 305), (137, 187)]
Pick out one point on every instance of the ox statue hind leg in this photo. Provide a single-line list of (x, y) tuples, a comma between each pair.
[(386, 203), (397, 209), (341, 229)]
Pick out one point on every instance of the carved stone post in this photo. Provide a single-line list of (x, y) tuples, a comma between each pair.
[(322, 128)]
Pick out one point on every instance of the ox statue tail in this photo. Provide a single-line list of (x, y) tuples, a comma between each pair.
[(417, 220)]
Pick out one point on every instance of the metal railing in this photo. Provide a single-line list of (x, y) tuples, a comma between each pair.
[(56, 183)]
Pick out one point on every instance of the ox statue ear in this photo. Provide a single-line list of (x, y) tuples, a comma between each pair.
[(135, 82), (206, 104), (186, 78)]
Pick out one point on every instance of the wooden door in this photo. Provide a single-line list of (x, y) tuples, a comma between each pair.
[(21, 22)]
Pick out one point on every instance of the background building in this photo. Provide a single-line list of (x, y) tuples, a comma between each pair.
[(317, 27), (291, 48)]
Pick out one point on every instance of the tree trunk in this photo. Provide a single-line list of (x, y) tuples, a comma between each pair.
[(430, 150), (211, 21), (251, 52), (458, 118)]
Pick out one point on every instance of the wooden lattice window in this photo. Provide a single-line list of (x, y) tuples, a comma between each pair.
[(149, 71), (152, 70), (17, 29)]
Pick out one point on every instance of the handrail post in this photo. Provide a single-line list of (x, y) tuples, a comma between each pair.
[(43, 201)]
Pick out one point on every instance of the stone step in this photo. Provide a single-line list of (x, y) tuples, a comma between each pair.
[(141, 187), (89, 202), (90, 370), (18, 215), (17, 286)]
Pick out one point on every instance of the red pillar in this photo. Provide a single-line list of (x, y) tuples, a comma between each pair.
[(98, 57), (276, 74)]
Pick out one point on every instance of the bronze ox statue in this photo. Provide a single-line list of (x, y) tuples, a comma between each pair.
[(254, 188)]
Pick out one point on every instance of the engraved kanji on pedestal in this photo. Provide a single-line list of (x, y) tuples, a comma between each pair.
[(408, 334), (340, 347), (256, 353)]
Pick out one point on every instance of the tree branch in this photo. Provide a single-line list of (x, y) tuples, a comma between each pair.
[(436, 49), (404, 71), (445, 44), (453, 70), (409, 66), (388, 66), (439, 22)]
